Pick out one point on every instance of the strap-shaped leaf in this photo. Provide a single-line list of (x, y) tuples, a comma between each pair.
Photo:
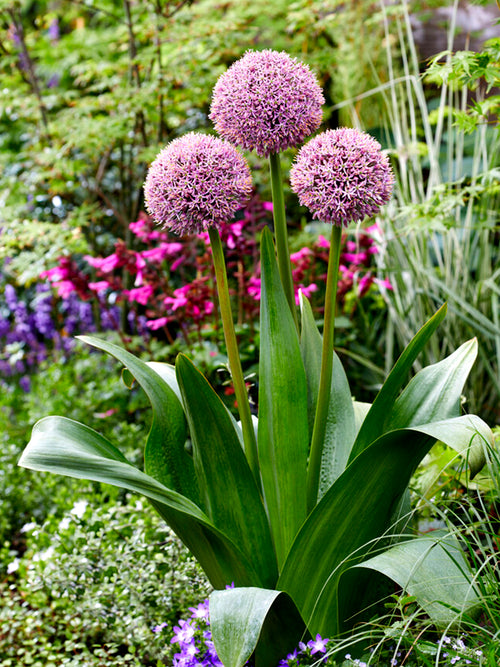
[(434, 392), (167, 372), (227, 486), (468, 435), (66, 447), (379, 414), (165, 457), (282, 431), (244, 620), (353, 514), (433, 569), (357, 510), (340, 424)]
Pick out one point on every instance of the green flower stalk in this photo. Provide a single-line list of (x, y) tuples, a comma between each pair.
[(198, 182), (281, 233), (268, 102), (233, 354), (342, 177)]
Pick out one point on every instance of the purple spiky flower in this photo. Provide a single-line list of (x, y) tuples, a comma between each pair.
[(342, 176), (267, 101), (195, 182)]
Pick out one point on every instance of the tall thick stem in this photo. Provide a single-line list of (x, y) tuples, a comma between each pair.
[(249, 441), (325, 381), (281, 235)]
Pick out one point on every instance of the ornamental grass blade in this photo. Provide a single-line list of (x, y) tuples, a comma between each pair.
[(248, 620), (283, 430), (228, 490), (165, 456), (66, 447), (379, 414), (340, 424), (433, 569)]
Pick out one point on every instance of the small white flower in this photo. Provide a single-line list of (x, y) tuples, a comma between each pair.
[(65, 523), (13, 566), (44, 555), (79, 508), (28, 527)]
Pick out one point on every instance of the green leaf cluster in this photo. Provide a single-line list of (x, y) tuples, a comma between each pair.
[(264, 540)]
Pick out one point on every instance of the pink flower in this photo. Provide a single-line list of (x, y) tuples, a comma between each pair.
[(156, 255), (179, 300), (105, 264), (154, 325), (57, 273), (64, 288), (139, 228), (306, 291), (364, 284), (99, 286), (195, 182), (254, 287), (356, 257), (384, 283), (342, 176), (266, 101), (140, 294), (323, 242), (303, 253), (140, 264)]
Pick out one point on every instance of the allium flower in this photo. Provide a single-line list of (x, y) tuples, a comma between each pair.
[(267, 101), (195, 182), (342, 176)]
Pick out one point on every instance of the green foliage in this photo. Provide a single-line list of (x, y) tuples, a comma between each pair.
[(91, 587), (80, 382), (349, 519)]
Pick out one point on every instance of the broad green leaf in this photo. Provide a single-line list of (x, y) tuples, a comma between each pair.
[(340, 424), (66, 447), (310, 348), (468, 435), (227, 486), (379, 414), (248, 620), (349, 519), (283, 430), (434, 392), (358, 510), (167, 372), (361, 409), (165, 456), (433, 569)]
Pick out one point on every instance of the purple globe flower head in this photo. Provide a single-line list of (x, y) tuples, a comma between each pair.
[(342, 176), (195, 182), (267, 101)]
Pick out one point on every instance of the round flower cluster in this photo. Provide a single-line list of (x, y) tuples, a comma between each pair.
[(267, 101), (195, 182), (342, 176)]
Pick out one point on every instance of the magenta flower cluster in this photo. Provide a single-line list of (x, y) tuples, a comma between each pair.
[(196, 182), (342, 176), (267, 101)]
